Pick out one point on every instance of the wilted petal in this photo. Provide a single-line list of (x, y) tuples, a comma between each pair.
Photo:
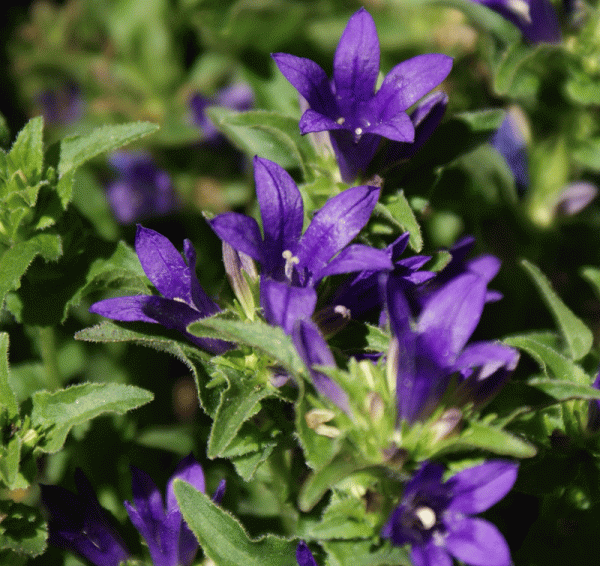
[(409, 81), (241, 232), (281, 206), (358, 257), (309, 80), (283, 304), (356, 61), (314, 351), (334, 226), (477, 542), (163, 264), (476, 489), (304, 556)]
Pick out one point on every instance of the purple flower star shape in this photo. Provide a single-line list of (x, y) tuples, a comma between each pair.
[(78, 523), (293, 263), (435, 517), (169, 539), (356, 116), (183, 301)]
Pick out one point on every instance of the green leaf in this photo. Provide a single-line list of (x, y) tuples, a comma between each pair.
[(344, 518), (27, 153), (22, 529), (588, 153), (8, 400), (223, 538), (487, 437), (592, 275), (76, 150), (15, 260), (247, 464), (196, 360), (577, 335), (561, 367), (239, 402), (269, 134), (583, 88), (397, 209), (270, 340), (56, 413), (362, 553), (10, 459), (564, 390)]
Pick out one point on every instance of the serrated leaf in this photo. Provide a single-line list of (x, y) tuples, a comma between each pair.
[(247, 464), (27, 153), (239, 402), (399, 211), (15, 260), (56, 413), (196, 360), (270, 340), (561, 367), (269, 134), (22, 529), (222, 537), (8, 400), (498, 441), (76, 150), (362, 553), (577, 335), (564, 390)]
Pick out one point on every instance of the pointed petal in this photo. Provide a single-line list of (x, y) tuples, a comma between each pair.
[(409, 81), (126, 309), (486, 266), (357, 257), (476, 489), (430, 554), (203, 303), (220, 492), (313, 121), (356, 60), (314, 351), (283, 304), (310, 81), (146, 497), (241, 232), (163, 264), (477, 542), (451, 315), (281, 207), (190, 471), (304, 556), (333, 227), (397, 128)]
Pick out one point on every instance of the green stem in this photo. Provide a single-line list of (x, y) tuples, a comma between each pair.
[(49, 357)]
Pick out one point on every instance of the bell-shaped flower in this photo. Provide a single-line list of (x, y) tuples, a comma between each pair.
[(183, 300), (169, 539), (78, 523), (436, 518), (434, 348), (293, 263), (141, 190), (356, 116), (537, 19)]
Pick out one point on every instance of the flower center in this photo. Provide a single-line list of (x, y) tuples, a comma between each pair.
[(521, 9), (341, 120), (426, 516), (290, 261)]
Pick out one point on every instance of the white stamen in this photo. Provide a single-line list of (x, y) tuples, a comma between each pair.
[(290, 261), (358, 131), (341, 120), (426, 516), (521, 9)]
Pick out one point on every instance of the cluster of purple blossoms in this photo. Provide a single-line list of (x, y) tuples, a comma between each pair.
[(79, 524)]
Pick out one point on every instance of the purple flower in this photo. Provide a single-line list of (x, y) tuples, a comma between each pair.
[(78, 523), (141, 190), (536, 19), (293, 263), (435, 517), (238, 96), (434, 348), (61, 106), (183, 300), (357, 117), (593, 423), (574, 197), (510, 143), (169, 539), (304, 556)]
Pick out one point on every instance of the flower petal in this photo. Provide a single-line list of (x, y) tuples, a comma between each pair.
[(353, 157), (356, 60), (409, 81), (357, 257), (333, 227), (397, 128), (203, 303), (190, 471), (430, 554), (125, 309), (476, 489), (310, 81), (163, 264), (304, 556), (281, 208), (313, 121), (241, 232), (477, 542), (283, 304)]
